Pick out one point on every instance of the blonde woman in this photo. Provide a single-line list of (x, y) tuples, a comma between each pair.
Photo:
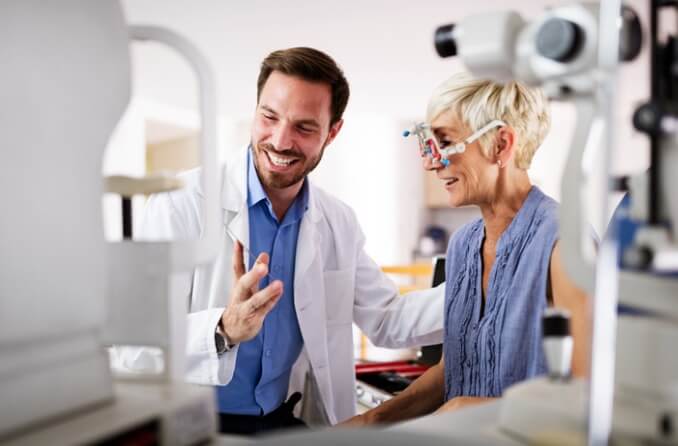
[(503, 269)]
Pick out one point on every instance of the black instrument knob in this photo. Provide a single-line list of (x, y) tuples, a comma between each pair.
[(630, 35), (446, 44)]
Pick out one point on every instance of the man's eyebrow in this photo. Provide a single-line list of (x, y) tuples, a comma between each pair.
[(308, 122), (268, 109)]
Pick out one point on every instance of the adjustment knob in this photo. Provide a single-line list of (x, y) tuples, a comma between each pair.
[(648, 117)]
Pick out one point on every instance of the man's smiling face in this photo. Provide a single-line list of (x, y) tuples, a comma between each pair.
[(291, 129)]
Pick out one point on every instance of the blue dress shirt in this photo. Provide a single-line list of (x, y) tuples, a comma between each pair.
[(262, 369)]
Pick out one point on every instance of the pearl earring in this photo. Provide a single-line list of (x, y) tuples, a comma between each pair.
[(499, 163)]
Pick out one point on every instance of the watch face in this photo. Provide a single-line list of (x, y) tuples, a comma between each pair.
[(219, 343)]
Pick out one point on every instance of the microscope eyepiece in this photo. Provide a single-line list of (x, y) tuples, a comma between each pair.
[(559, 40), (446, 44)]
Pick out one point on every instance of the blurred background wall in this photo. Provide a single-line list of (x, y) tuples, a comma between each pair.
[(386, 50)]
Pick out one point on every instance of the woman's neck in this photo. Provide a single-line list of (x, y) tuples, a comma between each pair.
[(507, 199)]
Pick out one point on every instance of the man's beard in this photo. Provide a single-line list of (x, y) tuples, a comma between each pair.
[(275, 180)]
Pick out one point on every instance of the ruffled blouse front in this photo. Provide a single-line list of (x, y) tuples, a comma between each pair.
[(489, 347)]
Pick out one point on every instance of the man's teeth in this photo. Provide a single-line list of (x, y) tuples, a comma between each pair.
[(279, 161)]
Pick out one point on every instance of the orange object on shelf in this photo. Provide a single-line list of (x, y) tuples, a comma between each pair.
[(416, 269)]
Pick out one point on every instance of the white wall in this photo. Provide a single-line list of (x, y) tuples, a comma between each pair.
[(374, 169), (385, 47)]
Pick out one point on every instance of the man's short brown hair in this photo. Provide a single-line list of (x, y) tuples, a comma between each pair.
[(313, 66)]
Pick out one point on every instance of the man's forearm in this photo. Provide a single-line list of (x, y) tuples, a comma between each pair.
[(422, 397)]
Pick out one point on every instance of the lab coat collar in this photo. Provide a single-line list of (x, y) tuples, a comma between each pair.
[(234, 191)]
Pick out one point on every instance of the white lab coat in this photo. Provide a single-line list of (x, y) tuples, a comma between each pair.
[(335, 284)]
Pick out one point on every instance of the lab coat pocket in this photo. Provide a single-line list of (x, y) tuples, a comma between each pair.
[(339, 296)]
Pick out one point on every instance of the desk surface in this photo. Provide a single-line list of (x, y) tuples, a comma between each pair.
[(475, 425), (471, 426)]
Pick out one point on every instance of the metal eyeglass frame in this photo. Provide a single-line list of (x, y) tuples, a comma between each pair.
[(429, 146)]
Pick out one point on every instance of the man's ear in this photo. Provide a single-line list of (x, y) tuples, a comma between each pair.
[(334, 131), (505, 145)]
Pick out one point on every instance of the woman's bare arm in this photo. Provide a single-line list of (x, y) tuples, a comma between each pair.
[(567, 295), (422, 397)]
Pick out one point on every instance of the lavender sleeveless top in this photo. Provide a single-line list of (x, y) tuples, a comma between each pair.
[(490, 346)]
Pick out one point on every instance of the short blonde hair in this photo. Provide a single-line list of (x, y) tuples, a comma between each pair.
[(478, 101)]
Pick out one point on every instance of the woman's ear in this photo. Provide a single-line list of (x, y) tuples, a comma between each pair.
[(505, 146)]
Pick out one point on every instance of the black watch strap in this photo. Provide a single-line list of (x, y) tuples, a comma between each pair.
[(220, 343)]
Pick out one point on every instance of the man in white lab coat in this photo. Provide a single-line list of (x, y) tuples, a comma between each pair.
[(286, 324)]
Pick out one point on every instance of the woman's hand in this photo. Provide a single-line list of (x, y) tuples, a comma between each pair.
[(462, 401), (421, 397)]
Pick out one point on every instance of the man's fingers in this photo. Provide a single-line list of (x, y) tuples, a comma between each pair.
[(268, 306), (244, 285), (262, 301), (238, 260), (262, 258)]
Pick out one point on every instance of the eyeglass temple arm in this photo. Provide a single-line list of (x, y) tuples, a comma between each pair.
[(484, 129)]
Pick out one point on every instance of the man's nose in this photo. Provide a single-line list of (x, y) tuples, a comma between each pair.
[(282, 137)]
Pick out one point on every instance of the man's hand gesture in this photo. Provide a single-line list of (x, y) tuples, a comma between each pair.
[(248, 305)]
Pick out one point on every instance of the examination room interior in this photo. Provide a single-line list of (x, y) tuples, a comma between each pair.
[(386, 51)]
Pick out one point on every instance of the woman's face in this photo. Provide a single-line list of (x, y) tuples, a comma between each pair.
[(470, 177)]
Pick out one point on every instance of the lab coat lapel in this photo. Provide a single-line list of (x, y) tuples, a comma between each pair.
[(309, 292), (234, 190), (234, 204), (308, 244), (234, 201)]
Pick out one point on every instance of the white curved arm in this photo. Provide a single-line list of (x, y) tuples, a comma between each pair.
[(187, 254)]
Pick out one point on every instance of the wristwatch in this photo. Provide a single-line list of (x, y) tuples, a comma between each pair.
[(221, 341)]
